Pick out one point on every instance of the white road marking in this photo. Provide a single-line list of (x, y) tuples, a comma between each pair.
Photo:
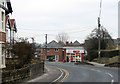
[(98, 70), (110, 75), (95, 70), (59, 76), (112, 81)]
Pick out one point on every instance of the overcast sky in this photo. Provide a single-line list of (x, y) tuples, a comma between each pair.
[(78, 18)]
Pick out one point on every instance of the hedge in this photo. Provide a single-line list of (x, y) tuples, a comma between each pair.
[(109, 53), (92, 54)]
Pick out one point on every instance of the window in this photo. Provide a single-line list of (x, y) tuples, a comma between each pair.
[(2, 51), (2, 55), (51, 57), (2, 60), (56, 49), (2, 21)]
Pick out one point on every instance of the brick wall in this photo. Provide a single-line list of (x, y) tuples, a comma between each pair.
[(52, 52), (2, 36)]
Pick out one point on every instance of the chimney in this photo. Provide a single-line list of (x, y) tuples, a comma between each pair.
[(67, 43)]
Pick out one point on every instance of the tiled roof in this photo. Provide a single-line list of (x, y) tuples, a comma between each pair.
[(76, 43), (53, 44)]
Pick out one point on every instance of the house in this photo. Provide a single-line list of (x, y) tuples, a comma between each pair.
[(75, 52), (38, 52), (54, 52), (13, 31), (8, 28), (57, 52), (5, 9)]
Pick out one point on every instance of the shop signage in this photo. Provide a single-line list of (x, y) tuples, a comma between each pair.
[(76, 51)]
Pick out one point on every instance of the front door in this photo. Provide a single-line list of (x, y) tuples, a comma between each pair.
[(56, 58)]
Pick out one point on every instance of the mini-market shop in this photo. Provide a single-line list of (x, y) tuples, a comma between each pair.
[(75, 54)]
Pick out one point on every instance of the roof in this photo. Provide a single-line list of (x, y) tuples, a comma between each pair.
[(7, 20), (61, 43), (76, 43), (7, 9), (53, 44)]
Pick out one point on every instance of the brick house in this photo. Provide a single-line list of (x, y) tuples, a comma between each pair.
[(55, 52), (5, 9), (13, 31)]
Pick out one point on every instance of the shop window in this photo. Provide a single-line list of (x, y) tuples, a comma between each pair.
[(56, 49)]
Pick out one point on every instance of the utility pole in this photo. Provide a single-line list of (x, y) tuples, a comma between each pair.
[(45, 46), (99, 25)]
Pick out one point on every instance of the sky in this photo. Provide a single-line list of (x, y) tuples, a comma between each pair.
[(77, 18)]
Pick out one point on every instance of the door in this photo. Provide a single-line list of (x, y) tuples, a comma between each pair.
[(56, 58)]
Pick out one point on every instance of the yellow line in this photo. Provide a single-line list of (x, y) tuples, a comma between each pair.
[(66, 75)]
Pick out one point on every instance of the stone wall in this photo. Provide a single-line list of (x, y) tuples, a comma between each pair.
[(18, 75)]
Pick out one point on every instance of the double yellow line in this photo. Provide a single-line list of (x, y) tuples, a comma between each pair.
[(66, 75)]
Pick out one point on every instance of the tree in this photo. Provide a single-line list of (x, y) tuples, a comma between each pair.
[(24, 50), (62, 37), (105, 40), (91, 43)]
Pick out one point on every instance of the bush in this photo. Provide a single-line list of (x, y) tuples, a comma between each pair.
[(92, 54), (109, 53)]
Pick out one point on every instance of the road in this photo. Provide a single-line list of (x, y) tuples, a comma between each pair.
[(87, 74)]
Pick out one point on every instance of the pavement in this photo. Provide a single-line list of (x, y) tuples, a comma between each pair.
[(97, 64), (51, 75)]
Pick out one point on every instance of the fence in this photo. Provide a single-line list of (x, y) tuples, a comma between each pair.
[(20, 74)]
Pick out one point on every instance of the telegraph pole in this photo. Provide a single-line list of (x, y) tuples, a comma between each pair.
[(45, 46), (99, 25)]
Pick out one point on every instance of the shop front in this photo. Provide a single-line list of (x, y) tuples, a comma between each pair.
[(75, 55)]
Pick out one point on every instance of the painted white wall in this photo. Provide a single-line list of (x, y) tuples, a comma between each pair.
[(1, 43), (71, 49)]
